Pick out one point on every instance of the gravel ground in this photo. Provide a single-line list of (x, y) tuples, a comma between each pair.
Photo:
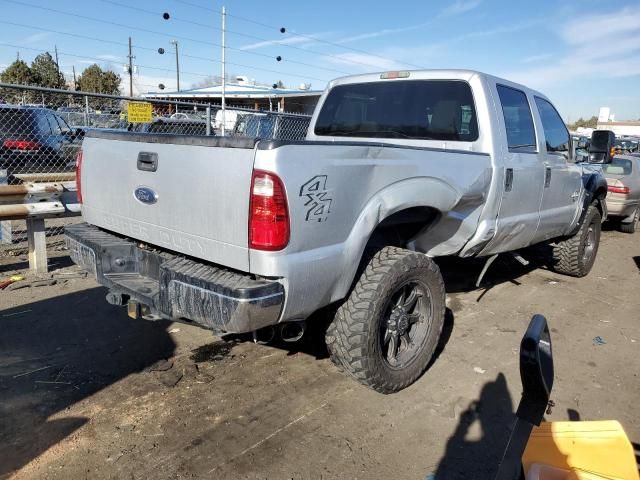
[(86, 392)]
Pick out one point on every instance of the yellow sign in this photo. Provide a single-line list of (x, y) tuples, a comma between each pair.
[(139, 112)]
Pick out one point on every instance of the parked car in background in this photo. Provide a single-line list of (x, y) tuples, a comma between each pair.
[(36, 140), (626, 145), (230, 118), (581, 147), (623, 198), (272, 126)]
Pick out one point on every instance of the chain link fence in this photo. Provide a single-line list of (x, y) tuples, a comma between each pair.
[(41, 132)]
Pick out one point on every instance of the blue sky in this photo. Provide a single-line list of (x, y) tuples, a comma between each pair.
[(582, 53)]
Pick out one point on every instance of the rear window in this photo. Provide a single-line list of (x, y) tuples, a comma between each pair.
[(619, 166), (16, 122), (521, 136), (412, 109)]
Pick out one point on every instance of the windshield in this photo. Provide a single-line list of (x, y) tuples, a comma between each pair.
[(411, 109), (618, 166)]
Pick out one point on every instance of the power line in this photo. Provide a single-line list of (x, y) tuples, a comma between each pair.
[(142, 47), (165, 70), (97, 59), (188, 39), (262, 39), (303, 35)]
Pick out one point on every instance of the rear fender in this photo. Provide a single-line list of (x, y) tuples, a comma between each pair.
[(443, 232)]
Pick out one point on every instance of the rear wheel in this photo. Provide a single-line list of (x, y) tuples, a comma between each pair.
[(632, 226), (386, 332), (576, 255)]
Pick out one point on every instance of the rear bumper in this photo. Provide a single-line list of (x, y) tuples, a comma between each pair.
[(620, 206), (174, 287)]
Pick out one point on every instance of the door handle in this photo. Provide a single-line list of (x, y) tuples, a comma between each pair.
[(574, 196), (148, 161), (508, 180), (547, 177)]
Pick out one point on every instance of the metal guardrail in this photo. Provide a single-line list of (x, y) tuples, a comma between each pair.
[(38, 200), (35, 202)]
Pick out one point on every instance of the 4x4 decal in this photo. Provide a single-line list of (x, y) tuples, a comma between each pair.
[(319, 206)]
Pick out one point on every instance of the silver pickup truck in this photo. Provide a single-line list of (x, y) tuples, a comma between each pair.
[(243, 234)]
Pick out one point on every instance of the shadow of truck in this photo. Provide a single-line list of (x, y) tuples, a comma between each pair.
[(56, 352)]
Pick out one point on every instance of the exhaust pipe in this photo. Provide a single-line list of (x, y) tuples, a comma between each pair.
[(117, 298), (264, 335), (292, 331)]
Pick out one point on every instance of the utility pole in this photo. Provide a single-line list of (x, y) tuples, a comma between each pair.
[(75, 83), (224, 73), (55, 47), (175, 44), (130, 69)]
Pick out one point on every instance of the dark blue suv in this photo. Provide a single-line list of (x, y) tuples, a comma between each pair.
[(36, 140)]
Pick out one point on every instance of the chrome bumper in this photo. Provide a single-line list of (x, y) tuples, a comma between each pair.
[(174, 287)]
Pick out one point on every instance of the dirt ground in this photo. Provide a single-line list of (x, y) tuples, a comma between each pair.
[(86, 392)]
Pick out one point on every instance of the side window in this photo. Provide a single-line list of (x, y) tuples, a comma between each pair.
[(43, 124), (64, 126), (55, 128), (521, 135), (555, 131)]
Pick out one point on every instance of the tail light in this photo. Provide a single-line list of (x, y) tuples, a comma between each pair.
[(21, 145), (618, 189), (268, 212), (78, 176)]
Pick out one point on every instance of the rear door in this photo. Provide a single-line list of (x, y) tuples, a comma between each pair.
[(563, 178), (523, 176)]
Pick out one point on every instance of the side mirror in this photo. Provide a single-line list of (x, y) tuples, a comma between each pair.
[(602, 148), (536, 371), (536, 374)]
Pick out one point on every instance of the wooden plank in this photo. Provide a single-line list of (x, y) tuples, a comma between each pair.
[(37, 245)]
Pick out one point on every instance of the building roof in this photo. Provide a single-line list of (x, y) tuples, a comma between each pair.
[(629, 123), (235, 90)]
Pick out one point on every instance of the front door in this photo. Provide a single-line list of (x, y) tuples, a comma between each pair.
[(563, 178), (523, 175)]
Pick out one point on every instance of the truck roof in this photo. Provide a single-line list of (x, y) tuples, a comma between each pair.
[(431, 74)]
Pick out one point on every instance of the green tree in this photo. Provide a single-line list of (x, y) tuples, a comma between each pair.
[(96, 80), (18, 73), (581, 122), (46, 72)]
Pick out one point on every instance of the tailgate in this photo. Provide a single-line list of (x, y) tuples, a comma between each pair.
[(194, 200)]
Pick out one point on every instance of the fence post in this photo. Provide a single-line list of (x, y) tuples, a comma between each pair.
[(86, 110), (37, 245), (208, 120), (6, 234)]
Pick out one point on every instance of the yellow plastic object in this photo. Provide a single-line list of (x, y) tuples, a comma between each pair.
[(586, 450)]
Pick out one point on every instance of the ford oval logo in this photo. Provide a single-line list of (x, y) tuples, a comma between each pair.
[(145, 195)]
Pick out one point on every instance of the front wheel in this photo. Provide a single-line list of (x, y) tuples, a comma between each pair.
[(576, 255), (386, 332), (632, 226)]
